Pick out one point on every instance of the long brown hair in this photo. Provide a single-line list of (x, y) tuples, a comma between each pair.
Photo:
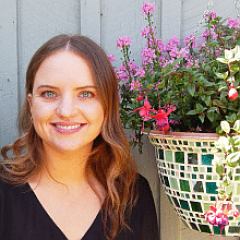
[(110, 161)]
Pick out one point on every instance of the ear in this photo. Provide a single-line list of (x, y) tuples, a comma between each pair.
[(29, 98)]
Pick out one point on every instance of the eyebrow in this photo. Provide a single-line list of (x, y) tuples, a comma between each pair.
[(53, 87)]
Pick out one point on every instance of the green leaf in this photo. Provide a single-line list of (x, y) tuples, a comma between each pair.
[(222, 75), (210, 115), (222, 143), (192, 112), (201, 117), (236, 126), (228, 54), (232, 159), (235, 140), (218, 103), (230, 189), (191, 89), (234, 67), (208, 100), (222, 60), (225, 126)]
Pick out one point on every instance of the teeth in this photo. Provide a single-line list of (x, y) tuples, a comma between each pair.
[(68, 127)]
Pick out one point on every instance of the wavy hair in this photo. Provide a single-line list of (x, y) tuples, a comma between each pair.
[(110, 161)]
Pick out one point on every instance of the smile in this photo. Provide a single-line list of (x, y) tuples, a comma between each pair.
[(68, 128)]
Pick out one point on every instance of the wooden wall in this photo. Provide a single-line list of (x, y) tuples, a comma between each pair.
[(26, 24)]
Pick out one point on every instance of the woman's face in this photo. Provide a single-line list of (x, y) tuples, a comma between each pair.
[(65, 106)]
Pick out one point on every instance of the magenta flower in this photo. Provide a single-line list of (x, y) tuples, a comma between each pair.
[(124, 42), (140, 72), (147, 8), (148, 31), (232, 23), (111, 58), (190, 39)]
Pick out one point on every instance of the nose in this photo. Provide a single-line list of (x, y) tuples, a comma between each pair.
[(66, 107)]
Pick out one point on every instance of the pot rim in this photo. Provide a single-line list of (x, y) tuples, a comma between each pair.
[(183, 135)]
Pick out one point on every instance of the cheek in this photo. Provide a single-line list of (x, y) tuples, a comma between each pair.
[(42, 110), (94, 112)]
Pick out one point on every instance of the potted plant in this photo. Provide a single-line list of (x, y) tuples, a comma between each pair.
[(183, 96)]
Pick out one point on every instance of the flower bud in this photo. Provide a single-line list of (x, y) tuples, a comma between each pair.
[(232, 93), (139, 98), (235, 212)]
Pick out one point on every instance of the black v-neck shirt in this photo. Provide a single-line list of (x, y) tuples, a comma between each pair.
[(22, 217)]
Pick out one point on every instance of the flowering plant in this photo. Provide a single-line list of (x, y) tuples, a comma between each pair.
[(190, 86), (195, 82)]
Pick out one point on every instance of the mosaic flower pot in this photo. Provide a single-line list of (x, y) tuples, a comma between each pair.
[(185, 168)]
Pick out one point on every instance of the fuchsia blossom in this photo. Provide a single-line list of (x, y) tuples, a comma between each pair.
[(135, 84), (111, 58), (232, 23), (218, 214), (124, 41), (148, 8), (211, 15)]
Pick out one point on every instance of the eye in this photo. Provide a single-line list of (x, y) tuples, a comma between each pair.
[(48, 94), (86, 95)]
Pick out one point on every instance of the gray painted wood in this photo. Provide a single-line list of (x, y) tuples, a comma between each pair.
[(26, 24), (8, 73)]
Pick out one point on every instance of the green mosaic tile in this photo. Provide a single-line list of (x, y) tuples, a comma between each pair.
[(206, 206), (195, 169), (237, 178), (202, 169), (192, 158), (178, 148), (236, 199), (191, 144), (168, 171), (196, 206), (205, 198), (199, 221), (160, 154), (172, 173), (204, 150), (169, 141), (184, 185), (238, 170), (238, 188), (209, 177), (205, 228), (194, 176), (213, 198), (174, 142), (211, 187), (188, 175), (190, 149), (199, 197), (209, 169), (177, 167), (182, 174), (174, 183), (207, 159), (198, 186), (215, 177), (182, 168), (216, 230), (184, 204), (198, 144), (187, 196), (168, 156), (185, 142), (179, 157), (190, 214), (182, 195), (166, 181)]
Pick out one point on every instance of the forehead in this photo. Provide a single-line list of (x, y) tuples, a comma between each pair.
[(64, 68)]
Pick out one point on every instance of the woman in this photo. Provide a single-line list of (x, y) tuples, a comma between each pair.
[(72, 175)]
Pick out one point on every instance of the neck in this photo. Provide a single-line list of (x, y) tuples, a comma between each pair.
[(65, 167)]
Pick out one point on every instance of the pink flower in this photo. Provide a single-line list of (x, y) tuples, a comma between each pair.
[(140, 72), (148, 31), (232, 23), (190, 39), (111, 58), (147, 8), (124, 42)]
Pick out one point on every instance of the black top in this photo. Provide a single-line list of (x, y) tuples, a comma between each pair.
[(22, 217)]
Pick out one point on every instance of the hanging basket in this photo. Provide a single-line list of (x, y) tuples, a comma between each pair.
[(184, 162)]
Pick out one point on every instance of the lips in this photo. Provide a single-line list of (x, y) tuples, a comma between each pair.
[(68, 127)]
